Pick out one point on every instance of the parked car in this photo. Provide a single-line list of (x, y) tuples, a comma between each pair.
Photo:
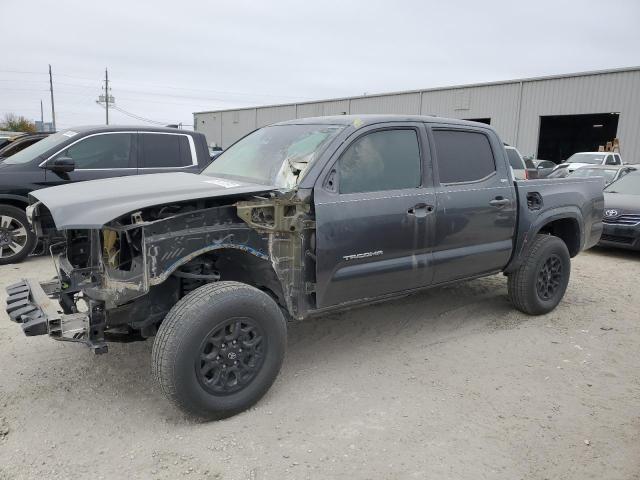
[(19, 143), (296, 219), (543, 167), (8, 137), (214, 151), (610, 173), (622, 213), (517, 163), (559, 173), (86, 153), (583, 159)]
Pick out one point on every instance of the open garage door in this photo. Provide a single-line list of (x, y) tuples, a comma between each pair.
[(563, 135)]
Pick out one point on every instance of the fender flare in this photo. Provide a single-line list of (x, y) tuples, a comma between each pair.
[(524, 241)]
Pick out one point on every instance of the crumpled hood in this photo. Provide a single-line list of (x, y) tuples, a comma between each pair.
[(622, 202), (89, 205)]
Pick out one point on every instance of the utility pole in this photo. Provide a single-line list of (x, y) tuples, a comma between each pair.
[(106, 93), (41, 113), (107, 98), (53, 108)]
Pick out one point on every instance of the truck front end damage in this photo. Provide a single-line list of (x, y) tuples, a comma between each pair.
[(117, 282)]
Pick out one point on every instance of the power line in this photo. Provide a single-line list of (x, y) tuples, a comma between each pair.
[(132, 115), (169, 87)]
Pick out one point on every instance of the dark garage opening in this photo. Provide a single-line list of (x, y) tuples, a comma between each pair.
[(563, 135), (480, 120)]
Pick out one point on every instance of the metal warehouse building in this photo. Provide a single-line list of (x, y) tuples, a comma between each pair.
[(547, 117)]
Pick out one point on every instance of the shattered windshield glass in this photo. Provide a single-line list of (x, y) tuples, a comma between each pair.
[(275, 155)]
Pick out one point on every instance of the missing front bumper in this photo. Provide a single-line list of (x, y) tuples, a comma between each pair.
[(35, 307)]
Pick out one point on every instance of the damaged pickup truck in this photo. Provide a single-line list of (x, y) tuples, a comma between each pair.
[(294, 220)]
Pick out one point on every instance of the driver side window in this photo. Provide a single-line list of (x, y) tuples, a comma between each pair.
[(102, 151), (379, 161)]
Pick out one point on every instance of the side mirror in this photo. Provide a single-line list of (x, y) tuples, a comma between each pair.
[(61, 165)]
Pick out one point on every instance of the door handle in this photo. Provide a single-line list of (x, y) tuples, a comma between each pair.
[(499, 202), (420, 210)]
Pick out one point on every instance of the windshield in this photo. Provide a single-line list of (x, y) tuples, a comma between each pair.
[(608, 174), (628, 185), (592, 158), (514, 159), (37, 149), (275, 155)]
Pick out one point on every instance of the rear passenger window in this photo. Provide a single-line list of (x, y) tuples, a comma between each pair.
[(463, 156), (163, 150), (378, 161)]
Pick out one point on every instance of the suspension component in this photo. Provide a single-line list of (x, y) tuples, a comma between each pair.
[(195, 274)]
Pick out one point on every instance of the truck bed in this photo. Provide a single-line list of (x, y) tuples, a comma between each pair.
[(542, 200)]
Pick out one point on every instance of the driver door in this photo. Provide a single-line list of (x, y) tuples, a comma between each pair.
[(374, 214)]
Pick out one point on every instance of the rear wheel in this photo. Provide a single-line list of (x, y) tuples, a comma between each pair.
[(16, 238), (219, 349), (539, 284)]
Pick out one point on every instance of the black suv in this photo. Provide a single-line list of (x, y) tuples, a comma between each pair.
[(86, 153)]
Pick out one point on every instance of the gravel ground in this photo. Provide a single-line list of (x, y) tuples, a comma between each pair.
[(449, 383)]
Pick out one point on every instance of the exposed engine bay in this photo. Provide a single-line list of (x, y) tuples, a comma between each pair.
[(117, 283)]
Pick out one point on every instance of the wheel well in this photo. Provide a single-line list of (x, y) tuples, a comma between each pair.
[(566, 229), (240, 266), (14, 203)]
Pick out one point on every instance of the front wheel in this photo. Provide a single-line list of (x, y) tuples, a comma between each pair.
[(219, 349), (538, 285)]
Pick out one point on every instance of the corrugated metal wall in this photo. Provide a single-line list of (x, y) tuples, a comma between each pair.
[(515, 108), (604, 93)]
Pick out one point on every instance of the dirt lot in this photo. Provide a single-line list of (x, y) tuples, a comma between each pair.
[(450, 383)]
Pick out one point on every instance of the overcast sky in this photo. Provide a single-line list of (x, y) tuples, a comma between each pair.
[(167, 59)]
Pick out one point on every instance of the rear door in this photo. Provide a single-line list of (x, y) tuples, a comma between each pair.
[(476, 203), (374, 213), (100, 155), (166, 152)]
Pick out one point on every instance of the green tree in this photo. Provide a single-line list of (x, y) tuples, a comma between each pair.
[(15, 123)]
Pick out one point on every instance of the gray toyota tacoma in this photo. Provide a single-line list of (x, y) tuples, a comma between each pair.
[(296, 219)]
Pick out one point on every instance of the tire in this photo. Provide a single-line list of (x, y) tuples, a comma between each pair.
[(538, 285), (204, 324), (13, 247)]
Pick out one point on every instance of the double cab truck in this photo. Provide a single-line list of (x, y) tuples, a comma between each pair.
[(80, 154), (294, 220)]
